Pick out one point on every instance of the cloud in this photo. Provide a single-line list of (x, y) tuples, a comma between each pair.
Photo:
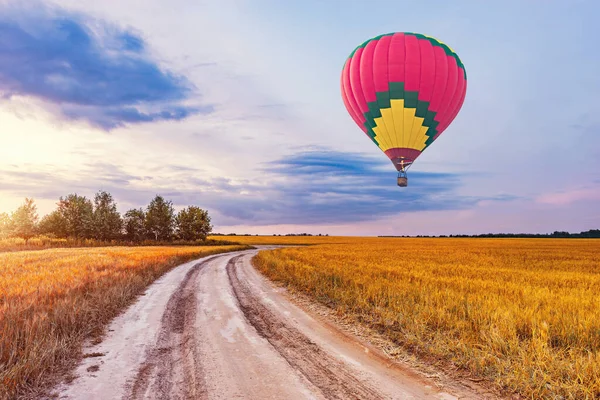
[(316, 186), (321, 186), (90, 70), (39, 183), (572, 196)]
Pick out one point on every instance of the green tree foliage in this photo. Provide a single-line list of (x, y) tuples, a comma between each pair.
[(78, 214), (193, 223), (53, 224), (592, 233), (5, 225), (160, 219), (134, 223), (78, 217), (106, 220), (24, 220)]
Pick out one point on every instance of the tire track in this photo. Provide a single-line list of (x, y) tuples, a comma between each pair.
[(173, 368), (329, 375), (215, 329)]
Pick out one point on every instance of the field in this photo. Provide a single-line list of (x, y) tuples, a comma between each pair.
[(51, 300), (521, 314), (292, 240), (44, 242)]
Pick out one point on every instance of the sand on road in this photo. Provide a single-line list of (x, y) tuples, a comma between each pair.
[(216, 329)]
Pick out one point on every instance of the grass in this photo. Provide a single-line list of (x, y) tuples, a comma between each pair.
[(44, 242), (522, 314), (51, 300)]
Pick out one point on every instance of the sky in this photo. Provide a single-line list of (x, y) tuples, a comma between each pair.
[(235, 106)]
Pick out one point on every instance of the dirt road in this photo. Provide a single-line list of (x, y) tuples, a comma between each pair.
[(216, 329)]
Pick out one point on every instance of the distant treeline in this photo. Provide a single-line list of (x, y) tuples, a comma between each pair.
[(77, 217), (592, 233), (275, 234)]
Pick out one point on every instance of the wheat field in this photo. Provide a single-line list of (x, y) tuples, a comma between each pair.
[(522, 314), (291, 240), (51, 300)]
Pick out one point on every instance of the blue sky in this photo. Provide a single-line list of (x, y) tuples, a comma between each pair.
[(235, 106)]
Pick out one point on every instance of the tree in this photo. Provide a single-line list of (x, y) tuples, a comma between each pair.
[(134, 222), (24, 220), (53, 224), (106, 220), (5, 225), (160, 218), (78, 214), (193, 223)]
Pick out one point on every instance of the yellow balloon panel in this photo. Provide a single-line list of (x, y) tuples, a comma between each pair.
[(400, 127)]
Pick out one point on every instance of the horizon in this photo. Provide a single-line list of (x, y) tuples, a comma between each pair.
[(324, 234), (140, 101)]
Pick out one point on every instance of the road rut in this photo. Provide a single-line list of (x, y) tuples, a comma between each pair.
[(216, 329)]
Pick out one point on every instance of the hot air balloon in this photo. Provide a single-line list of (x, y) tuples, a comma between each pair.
[(403, 90)]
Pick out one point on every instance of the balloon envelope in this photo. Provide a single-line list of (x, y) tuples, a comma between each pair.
[(403, 90)]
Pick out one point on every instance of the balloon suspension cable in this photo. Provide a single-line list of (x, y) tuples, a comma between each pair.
[(402, 177), (404, 167)]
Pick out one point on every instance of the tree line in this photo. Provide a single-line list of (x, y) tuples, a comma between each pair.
[(591, 234), (77, 217)]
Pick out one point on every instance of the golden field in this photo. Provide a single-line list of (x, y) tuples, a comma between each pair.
[(291, 240), (522, 314), (51, 300)]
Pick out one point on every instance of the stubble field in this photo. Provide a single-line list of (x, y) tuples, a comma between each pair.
[(521, 314)]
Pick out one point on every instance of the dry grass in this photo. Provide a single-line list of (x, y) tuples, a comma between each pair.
[(44, 242), (524, 314), (51, 300)]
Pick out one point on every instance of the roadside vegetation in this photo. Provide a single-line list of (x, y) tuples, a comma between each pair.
[(52, 300), (521, 314), (45, 242)]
